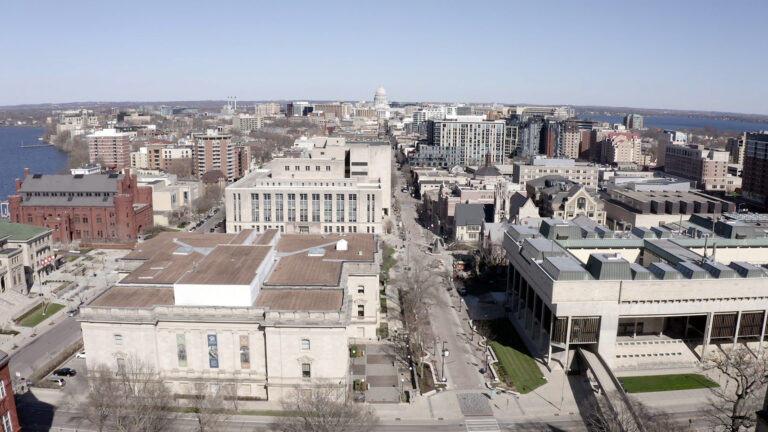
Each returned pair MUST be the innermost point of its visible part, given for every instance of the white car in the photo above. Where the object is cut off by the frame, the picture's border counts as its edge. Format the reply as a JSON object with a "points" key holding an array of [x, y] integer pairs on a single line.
{"points": [[80, 355]]}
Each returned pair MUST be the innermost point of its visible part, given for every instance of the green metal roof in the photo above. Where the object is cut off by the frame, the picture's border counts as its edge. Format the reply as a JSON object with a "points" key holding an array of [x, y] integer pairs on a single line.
{"points": [[20, 232]]}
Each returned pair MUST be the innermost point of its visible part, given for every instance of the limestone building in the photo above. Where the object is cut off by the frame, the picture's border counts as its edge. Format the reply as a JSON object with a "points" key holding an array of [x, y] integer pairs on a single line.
{"points": [[256, 313], [334, 186]]}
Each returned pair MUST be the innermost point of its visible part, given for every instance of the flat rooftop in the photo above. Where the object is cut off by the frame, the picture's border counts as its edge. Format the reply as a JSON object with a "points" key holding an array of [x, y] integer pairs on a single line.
{"points": [[134, 297], [227, 265], [301, 300]]}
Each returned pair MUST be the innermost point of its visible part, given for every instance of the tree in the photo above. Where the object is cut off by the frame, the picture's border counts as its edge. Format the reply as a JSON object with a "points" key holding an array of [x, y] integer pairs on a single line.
{"points": [[181, 167], [132, 399], [417, 285], [618, 417], [208, 408], [734, 405], [325, 408]]}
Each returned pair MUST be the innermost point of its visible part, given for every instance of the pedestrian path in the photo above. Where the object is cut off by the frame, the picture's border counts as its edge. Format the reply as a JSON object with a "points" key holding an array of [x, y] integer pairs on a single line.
{"points": [[482, 424]]}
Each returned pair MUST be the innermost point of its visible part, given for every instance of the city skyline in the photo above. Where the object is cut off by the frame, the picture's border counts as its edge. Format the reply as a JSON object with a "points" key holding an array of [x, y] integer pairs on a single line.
{"points": [[622, 56]]}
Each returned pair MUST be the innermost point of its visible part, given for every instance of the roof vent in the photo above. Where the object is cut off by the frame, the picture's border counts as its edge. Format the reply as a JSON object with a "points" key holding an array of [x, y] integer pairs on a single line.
{"points": [[342, 245]]}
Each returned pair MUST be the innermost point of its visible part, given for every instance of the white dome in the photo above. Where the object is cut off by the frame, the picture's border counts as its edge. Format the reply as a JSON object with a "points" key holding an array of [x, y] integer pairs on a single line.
{"points": [[381, 92]]}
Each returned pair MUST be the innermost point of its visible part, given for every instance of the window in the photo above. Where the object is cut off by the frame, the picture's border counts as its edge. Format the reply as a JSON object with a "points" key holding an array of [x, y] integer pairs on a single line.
{"points": [[7, 425], [245, 357], [181, 350], [267, 207], [353, 207], [121, 365], [317, 168], [328, 211], [339, 207], [305, 344], [287, 168], [297, 168], [213, 351], [360, 311], [255, 207], [581, 203], [118, 339], [291, 207], [327, 167], [361, 289], [306, 168], [279, 207], [303, 210], [315, 207], [306, 370], [2, 389]]}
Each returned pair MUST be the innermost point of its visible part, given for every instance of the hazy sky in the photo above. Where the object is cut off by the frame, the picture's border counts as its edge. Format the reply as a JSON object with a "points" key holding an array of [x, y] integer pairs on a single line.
{"points": [[705, 55]]}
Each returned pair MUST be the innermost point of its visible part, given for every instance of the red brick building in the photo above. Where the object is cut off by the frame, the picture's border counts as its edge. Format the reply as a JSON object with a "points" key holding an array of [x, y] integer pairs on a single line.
{"points": [[97, 208], [9, 420]]}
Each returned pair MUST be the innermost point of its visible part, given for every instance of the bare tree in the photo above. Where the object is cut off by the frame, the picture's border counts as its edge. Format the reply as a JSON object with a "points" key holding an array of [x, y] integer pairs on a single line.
{"points": [[325, 408], [618, 417], [181, 167], [132, 399], [734, 405], [417, 285], [208, 408]]}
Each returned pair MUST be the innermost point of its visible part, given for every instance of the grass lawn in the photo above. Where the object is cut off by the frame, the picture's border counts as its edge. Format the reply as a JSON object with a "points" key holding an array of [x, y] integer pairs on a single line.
{"points": [[35, 316], [516, 367], [653, 383]]}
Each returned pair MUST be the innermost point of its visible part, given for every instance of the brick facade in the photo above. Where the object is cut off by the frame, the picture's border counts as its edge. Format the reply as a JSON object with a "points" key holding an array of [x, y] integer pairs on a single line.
{"points": [[7, 401], [114, 210]]}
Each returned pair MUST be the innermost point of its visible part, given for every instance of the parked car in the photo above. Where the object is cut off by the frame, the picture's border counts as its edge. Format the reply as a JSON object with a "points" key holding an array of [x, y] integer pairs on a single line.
{"points": [[213, 229], [73, 312], [65, 372], [57, 380], [80, 355]]}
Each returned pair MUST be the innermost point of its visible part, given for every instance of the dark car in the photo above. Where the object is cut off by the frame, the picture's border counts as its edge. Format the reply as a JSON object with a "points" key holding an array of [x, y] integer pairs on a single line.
{"points": [[67, 372]]}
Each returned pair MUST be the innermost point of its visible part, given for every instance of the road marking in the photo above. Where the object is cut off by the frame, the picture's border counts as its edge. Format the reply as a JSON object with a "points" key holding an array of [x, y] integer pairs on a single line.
{"points": [[482, 424]]}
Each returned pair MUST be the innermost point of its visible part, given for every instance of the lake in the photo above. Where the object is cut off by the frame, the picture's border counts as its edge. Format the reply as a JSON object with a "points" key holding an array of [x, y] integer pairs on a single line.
{"points": [[677, 123], [13, 158]]}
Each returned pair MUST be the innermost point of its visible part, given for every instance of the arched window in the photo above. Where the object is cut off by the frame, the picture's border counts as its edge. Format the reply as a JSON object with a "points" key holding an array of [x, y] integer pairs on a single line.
{"points": [[581, 203], [245, 355]]}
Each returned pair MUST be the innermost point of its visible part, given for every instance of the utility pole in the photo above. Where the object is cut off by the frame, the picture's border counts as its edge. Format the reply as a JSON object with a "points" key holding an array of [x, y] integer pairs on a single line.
{"points": [[445, 354]]}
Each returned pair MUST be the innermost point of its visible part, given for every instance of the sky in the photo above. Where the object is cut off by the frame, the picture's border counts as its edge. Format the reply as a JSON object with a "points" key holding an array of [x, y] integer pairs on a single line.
{"points": [[697, 55]]}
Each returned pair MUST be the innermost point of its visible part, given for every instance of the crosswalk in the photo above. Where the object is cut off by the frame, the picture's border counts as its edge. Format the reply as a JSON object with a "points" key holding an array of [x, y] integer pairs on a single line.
{"points": [[482, 424]]}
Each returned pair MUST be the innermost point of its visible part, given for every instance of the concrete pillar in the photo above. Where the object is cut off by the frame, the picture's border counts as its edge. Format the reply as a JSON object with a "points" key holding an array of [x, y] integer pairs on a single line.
{"points": [[762, 332], [549, 339], [736, 330], [685, 332], [567, 343], [661, 330], [541, 324], [707, 334]]}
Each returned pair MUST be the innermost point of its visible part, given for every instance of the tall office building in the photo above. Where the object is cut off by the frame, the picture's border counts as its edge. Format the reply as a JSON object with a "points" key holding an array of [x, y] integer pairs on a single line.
{"points": [[755, 175], [110, 148], [709, 167], [633, 121]]}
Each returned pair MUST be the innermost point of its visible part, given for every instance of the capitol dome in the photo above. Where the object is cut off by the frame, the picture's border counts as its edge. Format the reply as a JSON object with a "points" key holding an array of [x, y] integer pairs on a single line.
{"points": [[381, 92]]}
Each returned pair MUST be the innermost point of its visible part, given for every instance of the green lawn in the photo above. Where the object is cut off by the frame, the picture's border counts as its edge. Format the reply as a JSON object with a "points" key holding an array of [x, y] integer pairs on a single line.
{"points": [[653, 383], [516, 367], [35, 316]]}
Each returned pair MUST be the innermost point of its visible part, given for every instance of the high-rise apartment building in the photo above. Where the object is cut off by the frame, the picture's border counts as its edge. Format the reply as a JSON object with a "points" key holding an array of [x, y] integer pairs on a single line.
{"points": [[468, 139], [736, 147], [709, 167], [266, 110], [755, 175], [247, 123], [622, 148], [214, 150], [110, 148]]}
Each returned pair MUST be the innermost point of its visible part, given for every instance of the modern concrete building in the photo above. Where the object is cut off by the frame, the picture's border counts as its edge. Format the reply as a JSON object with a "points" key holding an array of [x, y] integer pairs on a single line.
{"points": [[36, 244], [336, 186], [578, 172], [110, 148], [656, 202], [258, 314], [755, 174], [648, 298]]}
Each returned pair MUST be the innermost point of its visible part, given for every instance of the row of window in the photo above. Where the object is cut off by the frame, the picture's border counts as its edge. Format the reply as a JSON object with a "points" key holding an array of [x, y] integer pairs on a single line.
{"points": [[262, 206], [307, 168]]}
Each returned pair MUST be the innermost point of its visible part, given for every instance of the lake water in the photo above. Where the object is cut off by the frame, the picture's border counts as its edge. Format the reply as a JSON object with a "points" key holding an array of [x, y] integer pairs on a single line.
{"points": [[677, 123], [13, 158]]}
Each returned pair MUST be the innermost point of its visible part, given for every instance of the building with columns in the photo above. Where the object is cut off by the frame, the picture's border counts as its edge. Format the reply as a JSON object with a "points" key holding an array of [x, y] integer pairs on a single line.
{"points": [[334, 186], [258, 314], [639, 299]]}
